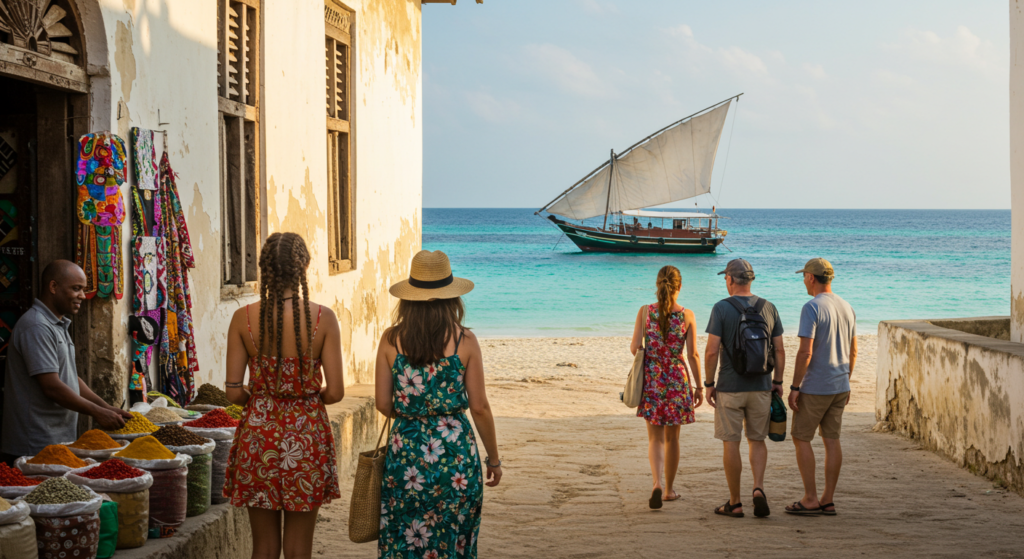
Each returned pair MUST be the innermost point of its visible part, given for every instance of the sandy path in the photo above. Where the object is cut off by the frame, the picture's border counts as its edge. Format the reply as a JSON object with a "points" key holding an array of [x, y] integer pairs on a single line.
{"points": [[577, 477]]}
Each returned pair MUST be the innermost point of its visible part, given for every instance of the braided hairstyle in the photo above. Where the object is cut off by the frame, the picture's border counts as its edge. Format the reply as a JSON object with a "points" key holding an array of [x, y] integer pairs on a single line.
{"points": [[283, 263], [669, 282]]}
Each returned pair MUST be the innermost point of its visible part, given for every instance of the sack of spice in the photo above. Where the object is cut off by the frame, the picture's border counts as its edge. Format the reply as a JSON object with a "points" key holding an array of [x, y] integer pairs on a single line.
{"points": [[199, 480], [154, 396], [151, 454], [187, 414], [168, 500], [162, 416], [68, 536], [95, 443], [182, 441], [15, 484], [220, 470], [17, 532], [59, 497], [216, 425], [113, 475], [53, 460], [137, 426], [235, 411], [132, 518], [210, 396]]}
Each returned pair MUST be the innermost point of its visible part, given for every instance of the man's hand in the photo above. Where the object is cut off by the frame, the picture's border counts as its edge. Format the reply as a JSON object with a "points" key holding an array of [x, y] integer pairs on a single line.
{"points": [[793, 396], [712, 395], [124, 413], [777, 388], [109, 419], [698, 397]]}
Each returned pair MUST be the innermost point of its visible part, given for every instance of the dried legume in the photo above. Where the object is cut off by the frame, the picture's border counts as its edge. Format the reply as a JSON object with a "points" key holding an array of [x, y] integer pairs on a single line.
{"points": [[162, 415], [57, 491]]}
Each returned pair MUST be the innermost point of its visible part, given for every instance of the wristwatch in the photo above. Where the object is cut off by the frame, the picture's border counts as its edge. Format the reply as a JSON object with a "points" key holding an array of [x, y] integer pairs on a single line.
{"points": [[778, 382], [709, 384], [794, 388]]}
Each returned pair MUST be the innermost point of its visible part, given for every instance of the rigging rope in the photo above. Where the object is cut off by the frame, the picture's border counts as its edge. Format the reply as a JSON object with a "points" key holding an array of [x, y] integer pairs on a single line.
{"points": [[721, 185]]}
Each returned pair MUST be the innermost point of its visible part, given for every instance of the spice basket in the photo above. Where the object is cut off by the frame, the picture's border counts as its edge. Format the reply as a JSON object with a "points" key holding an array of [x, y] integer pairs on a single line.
{"points": [[44, 469], [99, 455]]}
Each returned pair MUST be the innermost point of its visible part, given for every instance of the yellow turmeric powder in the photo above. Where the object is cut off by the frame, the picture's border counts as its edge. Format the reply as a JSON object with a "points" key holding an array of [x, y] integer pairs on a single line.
{"points": [[57, 454], [146, 448], [94, 439], [137, 424]]}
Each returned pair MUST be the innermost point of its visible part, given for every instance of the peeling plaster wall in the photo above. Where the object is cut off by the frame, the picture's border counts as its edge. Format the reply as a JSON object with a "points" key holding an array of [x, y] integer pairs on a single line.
{"points": [[1017, 169], [958, 393], [162, 56]]}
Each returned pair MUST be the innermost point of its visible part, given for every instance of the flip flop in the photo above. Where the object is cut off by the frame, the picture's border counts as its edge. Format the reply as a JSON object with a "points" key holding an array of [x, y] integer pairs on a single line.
{"points": [[676, 498], [761, 509], [655, 502], [726, 510], [828, 512], [799, 508]]}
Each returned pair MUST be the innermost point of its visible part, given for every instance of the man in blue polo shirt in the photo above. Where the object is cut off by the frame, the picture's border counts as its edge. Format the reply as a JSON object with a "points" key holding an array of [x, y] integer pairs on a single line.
{"points": [[42, 392]]}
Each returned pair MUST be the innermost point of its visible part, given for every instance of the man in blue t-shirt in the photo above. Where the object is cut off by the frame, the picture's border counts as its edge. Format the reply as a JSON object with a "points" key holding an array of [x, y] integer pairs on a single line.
{"points": [[821, 383]]}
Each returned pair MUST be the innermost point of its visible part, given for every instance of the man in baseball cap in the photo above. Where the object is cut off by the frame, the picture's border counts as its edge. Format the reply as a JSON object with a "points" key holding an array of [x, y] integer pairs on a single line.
{"points": [[821, 383], [742, 402]]}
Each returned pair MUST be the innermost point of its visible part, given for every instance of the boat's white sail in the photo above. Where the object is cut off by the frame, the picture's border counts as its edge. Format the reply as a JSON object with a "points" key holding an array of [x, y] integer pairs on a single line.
{"points": [[673, 165]]}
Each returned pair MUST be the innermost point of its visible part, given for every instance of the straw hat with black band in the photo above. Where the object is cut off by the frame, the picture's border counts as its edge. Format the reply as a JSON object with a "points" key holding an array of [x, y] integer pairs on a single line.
{"points": [[431, 278]]}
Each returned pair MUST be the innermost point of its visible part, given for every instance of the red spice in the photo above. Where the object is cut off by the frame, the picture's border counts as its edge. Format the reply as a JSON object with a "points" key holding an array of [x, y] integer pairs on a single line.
{"points": [[12, 477], [112, 469], [217, 418]]}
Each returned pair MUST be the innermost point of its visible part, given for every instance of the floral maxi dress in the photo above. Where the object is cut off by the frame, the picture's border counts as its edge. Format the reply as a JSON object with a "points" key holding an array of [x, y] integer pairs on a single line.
{"points": [[432, 490], [283, 455], [667, 397]]}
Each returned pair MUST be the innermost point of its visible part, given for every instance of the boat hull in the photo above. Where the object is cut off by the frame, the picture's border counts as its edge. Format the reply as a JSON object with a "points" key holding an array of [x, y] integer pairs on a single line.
{"points": [[592, 240]]}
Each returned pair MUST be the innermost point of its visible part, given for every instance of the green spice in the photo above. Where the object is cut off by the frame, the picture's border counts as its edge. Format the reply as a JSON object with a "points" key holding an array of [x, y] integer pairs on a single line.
{"points": [[57, 491], [210, 395], [199, 478]]}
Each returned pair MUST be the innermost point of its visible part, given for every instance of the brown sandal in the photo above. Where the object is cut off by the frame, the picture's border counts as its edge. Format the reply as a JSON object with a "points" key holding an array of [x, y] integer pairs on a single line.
{"points": [[727, 510], [655, 502]]}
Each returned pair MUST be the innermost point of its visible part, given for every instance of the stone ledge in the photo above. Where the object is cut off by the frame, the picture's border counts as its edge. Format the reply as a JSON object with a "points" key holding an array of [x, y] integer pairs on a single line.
{"points": [[224, 533]]}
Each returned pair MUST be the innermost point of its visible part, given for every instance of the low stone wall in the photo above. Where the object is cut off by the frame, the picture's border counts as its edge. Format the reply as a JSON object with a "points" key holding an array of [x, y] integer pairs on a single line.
{"points": [[959, 393], [224, 533]]}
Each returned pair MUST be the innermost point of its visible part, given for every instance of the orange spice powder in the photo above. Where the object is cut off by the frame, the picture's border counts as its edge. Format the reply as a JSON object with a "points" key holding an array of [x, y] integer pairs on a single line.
{"points": [[57, 454]]}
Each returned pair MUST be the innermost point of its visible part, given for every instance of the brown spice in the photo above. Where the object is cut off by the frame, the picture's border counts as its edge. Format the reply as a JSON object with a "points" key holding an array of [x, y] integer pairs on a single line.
{"points": [[172, 435], [94, 439], [210, 395]]}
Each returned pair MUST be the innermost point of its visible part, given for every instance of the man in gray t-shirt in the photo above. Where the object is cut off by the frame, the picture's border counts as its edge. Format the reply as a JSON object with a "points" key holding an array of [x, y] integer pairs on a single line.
{"points": [[821, 383], [42, 392], [742, 403]]}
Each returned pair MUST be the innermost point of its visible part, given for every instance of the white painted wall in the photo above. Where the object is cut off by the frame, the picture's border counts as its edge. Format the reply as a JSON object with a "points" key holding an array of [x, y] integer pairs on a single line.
{"points": [[161, 56], [1017, 168]]}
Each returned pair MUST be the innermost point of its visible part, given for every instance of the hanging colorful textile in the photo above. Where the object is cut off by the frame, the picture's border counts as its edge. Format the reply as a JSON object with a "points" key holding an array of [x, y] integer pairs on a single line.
{"points": [[178, 358], [101, 172], [144, 158], [143, 332], [150, 289], [85, 257], [108, 262]]}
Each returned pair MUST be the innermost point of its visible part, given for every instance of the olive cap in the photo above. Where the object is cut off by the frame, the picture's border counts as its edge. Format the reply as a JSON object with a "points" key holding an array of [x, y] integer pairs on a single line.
{"points": [[818, 267]]}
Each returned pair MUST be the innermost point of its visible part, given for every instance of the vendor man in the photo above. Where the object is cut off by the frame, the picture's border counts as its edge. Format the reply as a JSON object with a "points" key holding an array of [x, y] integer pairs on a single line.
{"points": [[42, 392]]}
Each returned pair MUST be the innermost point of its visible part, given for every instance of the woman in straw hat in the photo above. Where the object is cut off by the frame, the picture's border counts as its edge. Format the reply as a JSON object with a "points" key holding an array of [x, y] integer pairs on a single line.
{"points": [[429, 370]]}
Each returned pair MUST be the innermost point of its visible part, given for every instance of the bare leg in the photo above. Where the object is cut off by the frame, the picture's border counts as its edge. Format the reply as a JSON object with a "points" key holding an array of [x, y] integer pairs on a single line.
{"points": [[833, 463], [805, 461], [733, 470], [266, 533], [298, 534], [671, 459], [656, 451], [758, 460]]}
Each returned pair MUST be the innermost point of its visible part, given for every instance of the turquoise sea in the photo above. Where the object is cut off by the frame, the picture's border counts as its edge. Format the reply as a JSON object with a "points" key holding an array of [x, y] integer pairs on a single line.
{"points": [[890, 264]]}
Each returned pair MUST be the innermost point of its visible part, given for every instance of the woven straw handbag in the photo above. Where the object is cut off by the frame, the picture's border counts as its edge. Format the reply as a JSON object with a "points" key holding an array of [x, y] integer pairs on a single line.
{"points": [[634, 390], [364, 510]]}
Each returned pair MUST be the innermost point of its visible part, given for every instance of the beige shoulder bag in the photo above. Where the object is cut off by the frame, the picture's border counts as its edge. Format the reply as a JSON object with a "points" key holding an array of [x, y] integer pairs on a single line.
{"points": [[364, 511], [634, 390]]}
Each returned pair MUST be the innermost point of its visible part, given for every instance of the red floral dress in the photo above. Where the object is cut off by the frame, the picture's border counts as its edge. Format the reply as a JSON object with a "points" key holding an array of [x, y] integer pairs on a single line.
{"points": [[667, 398], [283, 455]]}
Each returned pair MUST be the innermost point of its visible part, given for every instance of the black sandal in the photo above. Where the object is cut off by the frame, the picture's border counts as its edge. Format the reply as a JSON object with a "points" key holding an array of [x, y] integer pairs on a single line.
{"points": [[799, 508], [828, 512], [726, 510], [761, 509], [655, 502]]}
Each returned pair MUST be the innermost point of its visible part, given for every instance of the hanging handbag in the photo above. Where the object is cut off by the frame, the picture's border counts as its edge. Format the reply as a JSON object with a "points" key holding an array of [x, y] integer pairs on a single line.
{"points": [[634, 390], [364, 510]]}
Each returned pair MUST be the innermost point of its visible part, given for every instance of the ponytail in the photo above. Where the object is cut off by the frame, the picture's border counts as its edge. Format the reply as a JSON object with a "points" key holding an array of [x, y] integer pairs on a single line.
{"points": [[669, 282]]}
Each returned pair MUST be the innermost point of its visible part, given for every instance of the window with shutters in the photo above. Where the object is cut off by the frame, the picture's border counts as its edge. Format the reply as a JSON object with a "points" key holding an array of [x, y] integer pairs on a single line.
{"points": [[339, 26], [238, 75]]}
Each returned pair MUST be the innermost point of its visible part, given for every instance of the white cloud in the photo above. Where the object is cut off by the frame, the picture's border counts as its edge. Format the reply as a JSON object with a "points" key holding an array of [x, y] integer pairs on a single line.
{"points": [[569, 72], [489, 108], [815, 70], [740, 59], [962, 48]]}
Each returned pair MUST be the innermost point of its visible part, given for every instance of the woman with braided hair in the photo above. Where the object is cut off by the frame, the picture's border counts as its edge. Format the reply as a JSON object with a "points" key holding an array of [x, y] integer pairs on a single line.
{"points": [[282, 465]]}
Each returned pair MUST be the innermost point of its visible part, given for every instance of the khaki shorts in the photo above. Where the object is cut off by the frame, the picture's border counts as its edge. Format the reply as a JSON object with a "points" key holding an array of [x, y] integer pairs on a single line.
{"points": [[824, 412], [733, 409]]}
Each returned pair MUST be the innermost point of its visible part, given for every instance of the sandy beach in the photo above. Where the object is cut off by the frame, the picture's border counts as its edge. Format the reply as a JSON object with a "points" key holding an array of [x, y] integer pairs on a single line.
{"points": [[577, 478]]}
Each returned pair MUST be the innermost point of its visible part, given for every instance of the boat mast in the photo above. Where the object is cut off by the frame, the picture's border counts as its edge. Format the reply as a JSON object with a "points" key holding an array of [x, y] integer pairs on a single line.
{"points": [[608, 200]]}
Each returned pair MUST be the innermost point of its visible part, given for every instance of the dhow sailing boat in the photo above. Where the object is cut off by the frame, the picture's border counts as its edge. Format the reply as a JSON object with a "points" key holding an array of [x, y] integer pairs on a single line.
{"points": [[673, 164]]}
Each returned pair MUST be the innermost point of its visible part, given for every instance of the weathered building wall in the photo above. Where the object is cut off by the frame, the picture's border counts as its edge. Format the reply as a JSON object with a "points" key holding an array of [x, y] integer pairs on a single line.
{"points": [[959, 393], [161, 67], [1017, 169]]}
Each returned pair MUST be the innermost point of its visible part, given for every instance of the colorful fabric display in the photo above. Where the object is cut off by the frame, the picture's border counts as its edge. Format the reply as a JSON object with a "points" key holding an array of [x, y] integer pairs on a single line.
{"points": [[150, 282], [110, 280], [85, 257], [101, 172], [144, 158]]}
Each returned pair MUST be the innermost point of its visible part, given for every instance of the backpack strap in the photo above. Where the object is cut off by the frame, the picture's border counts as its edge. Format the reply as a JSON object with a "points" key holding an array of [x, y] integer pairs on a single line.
{"points": [[743, 310], [759, 305]]}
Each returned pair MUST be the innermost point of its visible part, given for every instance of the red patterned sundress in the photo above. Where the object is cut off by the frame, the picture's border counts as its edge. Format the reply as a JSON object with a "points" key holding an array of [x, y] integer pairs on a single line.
{"points": [[283, 455], [667, 398]]}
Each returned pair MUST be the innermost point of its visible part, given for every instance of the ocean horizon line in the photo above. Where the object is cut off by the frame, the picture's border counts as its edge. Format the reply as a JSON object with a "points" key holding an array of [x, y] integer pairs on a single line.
{"points": [[761, 209]]}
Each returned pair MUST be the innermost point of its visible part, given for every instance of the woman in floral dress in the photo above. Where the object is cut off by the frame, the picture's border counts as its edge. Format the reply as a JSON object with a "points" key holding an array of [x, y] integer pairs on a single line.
{"points": [[429, 370], [282, 465], [670, 395]]}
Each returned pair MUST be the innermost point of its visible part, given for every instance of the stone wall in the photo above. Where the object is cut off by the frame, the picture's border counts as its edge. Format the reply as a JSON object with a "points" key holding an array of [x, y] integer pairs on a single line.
{"points": [[958, 393]]}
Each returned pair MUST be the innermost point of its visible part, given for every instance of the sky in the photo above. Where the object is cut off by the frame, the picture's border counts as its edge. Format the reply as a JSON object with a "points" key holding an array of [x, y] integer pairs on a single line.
{"points": [[863, 104]]}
